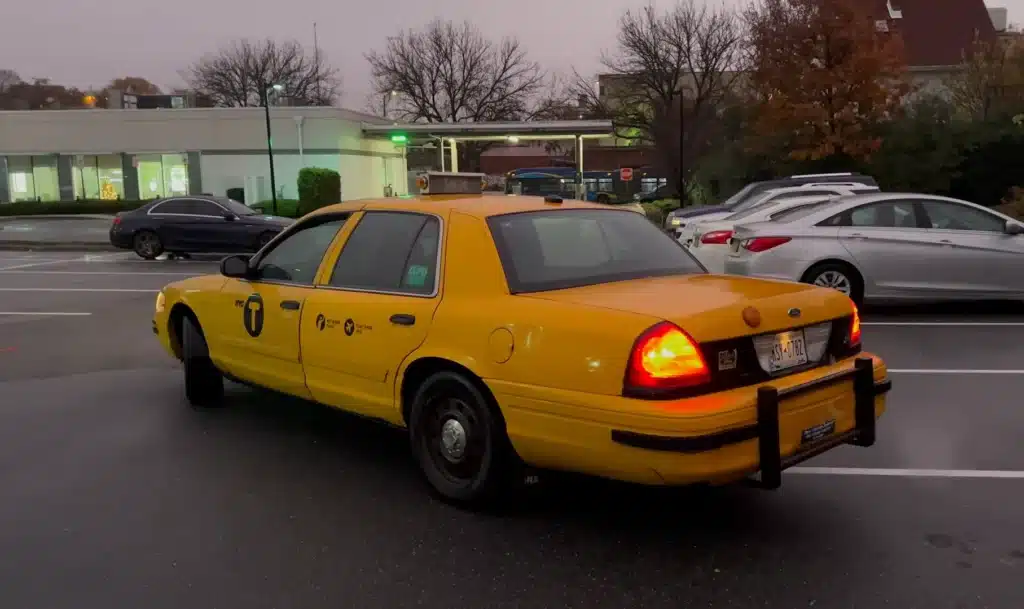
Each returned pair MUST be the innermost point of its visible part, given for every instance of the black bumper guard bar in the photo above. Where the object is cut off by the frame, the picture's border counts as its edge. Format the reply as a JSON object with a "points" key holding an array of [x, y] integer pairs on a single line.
{"points": [[766, 430]]}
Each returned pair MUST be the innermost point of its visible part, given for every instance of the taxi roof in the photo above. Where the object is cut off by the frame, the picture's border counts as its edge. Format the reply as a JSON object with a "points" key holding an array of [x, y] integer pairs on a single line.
{"points": [[481, 206]]}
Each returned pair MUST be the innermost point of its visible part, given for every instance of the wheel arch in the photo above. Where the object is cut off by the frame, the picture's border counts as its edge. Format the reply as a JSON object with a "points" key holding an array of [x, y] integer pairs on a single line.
{"points": [[175, 321], [421, 366]]}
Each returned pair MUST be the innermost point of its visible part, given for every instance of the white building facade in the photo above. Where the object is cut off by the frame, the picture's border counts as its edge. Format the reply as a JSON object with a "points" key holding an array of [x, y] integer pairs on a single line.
{"points": [[67, 155]]}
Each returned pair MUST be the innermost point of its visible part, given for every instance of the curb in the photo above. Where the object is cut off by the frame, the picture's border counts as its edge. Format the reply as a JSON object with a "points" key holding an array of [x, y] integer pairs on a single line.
{"points": [[43, 246]]}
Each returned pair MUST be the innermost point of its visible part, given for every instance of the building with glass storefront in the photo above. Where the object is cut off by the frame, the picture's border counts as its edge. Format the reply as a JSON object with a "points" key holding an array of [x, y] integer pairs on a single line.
{"points": [[66, 155]]}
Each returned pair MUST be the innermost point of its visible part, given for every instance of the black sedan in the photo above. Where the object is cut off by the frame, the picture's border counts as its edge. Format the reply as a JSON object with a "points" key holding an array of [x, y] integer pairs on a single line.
{"points": [[182, 225]]}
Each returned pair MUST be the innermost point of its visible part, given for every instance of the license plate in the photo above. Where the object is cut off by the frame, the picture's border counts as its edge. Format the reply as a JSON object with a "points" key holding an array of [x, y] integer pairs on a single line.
{"points": [[813, 434], [789, 351]]}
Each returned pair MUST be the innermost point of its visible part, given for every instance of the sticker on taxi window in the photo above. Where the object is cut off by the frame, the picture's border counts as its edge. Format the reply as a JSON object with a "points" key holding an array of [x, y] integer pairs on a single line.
{"points": [[416, 276]]}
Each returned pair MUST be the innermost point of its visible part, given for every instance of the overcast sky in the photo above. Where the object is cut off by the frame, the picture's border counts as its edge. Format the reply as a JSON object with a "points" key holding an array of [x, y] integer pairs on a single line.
{"points": [[89, 43]]}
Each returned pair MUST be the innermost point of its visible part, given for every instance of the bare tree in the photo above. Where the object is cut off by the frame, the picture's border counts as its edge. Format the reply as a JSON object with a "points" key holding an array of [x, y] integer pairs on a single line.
{"points": [[990, 82], [241, 73], [450, 73], [670, 79]]}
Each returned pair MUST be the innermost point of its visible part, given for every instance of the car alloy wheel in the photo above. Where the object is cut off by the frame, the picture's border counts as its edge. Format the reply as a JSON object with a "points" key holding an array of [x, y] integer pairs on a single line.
{"points": [[147, 245], [835, 280]]}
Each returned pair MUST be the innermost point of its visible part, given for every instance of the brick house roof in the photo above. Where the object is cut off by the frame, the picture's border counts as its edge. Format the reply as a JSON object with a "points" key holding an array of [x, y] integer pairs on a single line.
{"points": [[936, 32]]}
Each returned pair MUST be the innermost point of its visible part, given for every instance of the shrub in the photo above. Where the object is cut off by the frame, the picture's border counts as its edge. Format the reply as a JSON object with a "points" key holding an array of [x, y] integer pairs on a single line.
{"points": [[237, 194], [654, 213], [288, 208], [318, 188], [1013, 203], [63, 208]]}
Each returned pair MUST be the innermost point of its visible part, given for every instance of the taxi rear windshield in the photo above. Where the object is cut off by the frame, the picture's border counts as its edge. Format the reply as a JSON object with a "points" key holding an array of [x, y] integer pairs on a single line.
{"points": [[559, 249]]}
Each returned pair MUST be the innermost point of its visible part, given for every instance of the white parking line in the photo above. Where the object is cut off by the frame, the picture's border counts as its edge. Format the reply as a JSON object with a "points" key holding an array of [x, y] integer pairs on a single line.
{"points": [[48, 313], [31, 264], [947, 371], [991, 474], [151, 290]]}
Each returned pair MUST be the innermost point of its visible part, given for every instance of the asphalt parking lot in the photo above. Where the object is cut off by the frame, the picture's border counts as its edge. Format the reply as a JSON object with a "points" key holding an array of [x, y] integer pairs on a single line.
{"points": [[116, 494]]}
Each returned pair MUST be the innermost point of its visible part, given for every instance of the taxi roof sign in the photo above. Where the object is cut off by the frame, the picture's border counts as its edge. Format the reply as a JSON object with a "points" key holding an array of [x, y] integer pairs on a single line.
{"points": [[449, 183]]}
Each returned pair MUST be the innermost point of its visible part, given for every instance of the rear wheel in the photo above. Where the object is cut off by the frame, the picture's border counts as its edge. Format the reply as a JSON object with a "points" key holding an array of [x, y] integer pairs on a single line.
{"points": [[458, 438], [147, 244], [204, 384], [838, 276], [603, 198]]}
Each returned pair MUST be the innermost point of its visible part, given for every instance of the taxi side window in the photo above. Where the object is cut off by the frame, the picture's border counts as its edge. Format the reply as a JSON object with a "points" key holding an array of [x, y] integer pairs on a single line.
{"points": [[390, 252], [296, 258]]}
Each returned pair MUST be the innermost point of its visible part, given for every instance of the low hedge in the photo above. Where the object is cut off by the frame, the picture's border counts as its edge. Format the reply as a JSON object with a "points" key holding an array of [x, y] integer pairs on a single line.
{"points": [[654, 213], [65, 208], [318, 187], [288, 208]]}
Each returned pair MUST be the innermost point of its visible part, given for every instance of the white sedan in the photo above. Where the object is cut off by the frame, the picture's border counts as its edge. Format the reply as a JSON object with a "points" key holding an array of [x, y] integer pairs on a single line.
{"points": [[709, 241]]}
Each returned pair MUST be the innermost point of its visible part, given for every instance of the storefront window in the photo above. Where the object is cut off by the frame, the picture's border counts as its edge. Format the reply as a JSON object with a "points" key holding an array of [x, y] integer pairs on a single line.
{"points": [[44, 171], [110, 176], [162, 175], [20, 182], [97, 177]]}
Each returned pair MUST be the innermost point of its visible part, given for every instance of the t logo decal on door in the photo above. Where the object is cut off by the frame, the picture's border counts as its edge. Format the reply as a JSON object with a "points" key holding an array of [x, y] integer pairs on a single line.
{"points": [[252, 315]]}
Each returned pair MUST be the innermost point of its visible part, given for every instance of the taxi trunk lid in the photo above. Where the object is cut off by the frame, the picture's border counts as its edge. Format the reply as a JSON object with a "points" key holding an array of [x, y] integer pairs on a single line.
{"points": [[711, 307], [795, 327]]}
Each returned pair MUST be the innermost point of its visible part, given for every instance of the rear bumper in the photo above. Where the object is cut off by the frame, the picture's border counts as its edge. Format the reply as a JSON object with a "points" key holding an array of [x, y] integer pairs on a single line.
{"points": [[766, 429], [120, 239]]}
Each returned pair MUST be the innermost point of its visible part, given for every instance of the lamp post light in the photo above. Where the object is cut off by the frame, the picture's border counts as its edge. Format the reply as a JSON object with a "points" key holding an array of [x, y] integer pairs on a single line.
{"points": [[386, 96], [270, 146]]}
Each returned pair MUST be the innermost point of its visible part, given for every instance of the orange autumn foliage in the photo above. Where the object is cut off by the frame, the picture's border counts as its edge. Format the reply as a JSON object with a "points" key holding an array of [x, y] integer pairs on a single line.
{"points": [[823, 75]]}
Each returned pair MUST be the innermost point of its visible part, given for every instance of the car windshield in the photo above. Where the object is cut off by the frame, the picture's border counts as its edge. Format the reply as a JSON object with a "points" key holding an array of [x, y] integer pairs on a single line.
{"points": [[742, 194], [558, 249], [760, 207], [239, 209], [796, 213]]}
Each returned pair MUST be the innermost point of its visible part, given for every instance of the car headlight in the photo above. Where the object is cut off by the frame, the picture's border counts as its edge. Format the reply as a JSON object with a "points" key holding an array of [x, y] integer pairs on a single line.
{"points": [[677, 222], [160, 301]]}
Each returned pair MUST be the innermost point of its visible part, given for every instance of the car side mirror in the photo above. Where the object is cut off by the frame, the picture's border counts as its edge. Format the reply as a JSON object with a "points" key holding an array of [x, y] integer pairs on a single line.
{"points": [[230, 217], [1013, 228], [236, 267]]}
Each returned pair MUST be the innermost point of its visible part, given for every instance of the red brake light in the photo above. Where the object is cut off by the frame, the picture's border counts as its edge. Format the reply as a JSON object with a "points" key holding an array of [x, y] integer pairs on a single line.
{"points": [[854, 338], [716, 237], [665, 357], [760, 244], [117, 220]]}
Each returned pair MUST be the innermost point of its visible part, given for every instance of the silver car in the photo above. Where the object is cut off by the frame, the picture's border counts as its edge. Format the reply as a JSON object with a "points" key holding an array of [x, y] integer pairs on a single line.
{"points": [[888, 247]]}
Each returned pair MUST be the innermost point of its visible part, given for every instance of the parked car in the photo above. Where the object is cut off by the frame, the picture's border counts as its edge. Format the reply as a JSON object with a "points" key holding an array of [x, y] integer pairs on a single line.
{"points": [[680, 217], [775, 194], [891, 247], [195, 224], [709, 241]]}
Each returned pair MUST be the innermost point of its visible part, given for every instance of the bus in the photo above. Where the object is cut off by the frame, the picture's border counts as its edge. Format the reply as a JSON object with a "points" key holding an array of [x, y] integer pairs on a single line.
{"points": [[601, 186]]}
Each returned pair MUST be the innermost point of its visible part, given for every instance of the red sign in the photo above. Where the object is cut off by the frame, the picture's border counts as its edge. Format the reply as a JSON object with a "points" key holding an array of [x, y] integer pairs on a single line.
{"points": [[626, 174]]}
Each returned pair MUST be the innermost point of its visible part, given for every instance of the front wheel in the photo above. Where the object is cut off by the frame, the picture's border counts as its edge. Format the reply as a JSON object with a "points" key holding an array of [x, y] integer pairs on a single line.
{"points": [[204, 384], [147, 244], [459, 440]]}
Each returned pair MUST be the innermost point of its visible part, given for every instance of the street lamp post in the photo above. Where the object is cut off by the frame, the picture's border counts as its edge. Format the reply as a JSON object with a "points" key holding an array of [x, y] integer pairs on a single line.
{"points": [[386, 96], [682, 147], [270, 146]]}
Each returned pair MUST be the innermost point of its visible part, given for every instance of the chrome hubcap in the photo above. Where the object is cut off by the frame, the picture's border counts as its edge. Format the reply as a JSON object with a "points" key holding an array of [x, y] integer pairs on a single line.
{"points": [[453, 440], [834, 280]]}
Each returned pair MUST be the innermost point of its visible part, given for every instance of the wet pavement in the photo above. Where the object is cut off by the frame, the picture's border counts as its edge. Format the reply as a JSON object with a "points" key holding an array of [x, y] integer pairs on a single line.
{"points": [[90, 232], [116, 494]]}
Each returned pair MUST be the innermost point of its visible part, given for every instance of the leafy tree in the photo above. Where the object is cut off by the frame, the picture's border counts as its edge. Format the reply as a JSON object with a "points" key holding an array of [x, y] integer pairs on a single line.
{"points": [[822, 73], [669, 81], [990, 84], [240, 74]]}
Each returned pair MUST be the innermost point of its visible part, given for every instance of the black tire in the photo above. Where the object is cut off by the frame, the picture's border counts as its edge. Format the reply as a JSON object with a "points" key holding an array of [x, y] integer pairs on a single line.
{"points": [[603, 199], [204, 384], [147, 244], [264, 239], [837, 275], [482, 470]]}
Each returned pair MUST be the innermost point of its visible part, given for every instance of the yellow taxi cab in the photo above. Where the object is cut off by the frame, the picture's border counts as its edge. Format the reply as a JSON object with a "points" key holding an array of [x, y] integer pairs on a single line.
{"points": [[523, 332]]}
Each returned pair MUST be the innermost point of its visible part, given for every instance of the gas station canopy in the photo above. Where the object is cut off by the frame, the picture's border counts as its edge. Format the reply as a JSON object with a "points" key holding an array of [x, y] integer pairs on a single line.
{"points": [[509, 131]]}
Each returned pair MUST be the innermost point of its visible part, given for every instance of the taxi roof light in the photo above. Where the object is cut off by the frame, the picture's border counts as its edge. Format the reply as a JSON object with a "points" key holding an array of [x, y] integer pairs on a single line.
{"points": [[450, 183], [665, 357]]}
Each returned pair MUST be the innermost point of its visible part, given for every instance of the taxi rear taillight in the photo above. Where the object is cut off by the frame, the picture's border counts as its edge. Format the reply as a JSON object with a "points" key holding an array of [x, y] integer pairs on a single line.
{"points": [[665, 358], [854, 339], [762, 244], [716, 237]]}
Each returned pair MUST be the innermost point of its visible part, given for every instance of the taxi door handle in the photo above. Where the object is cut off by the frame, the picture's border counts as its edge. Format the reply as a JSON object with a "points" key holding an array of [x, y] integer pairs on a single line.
{"points": [[403, 319], [291, 305]]}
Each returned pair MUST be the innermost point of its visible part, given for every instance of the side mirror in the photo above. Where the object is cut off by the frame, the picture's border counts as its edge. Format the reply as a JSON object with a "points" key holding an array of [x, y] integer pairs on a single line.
{"points": [[230, 217], [1013, 228], [236, 267]]}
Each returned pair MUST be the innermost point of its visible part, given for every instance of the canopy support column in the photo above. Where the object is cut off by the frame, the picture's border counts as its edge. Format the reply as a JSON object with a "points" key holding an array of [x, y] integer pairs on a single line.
{"points": [[581, 192], [455, 155]]}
